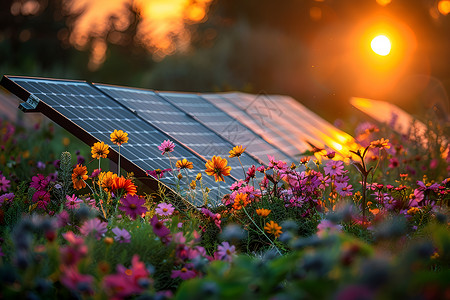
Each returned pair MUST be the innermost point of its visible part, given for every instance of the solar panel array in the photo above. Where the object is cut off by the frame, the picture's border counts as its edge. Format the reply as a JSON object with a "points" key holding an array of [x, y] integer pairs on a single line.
{"points": [[179, 125], [98, 114], [225, 125]]}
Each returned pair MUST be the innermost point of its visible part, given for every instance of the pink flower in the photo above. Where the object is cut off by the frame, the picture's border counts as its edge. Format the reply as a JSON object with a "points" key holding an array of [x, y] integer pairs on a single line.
{"points": [[164, 209], [326, 227], [344, 189], [4, 184], [159, 228], [225, 251], [6, 198], [393, 163], [72, 253], [121, 235], [73, 202], [94, 227], [42, 198], [334, 167], [133, 206], [39, 182], [74, 281], [166, 146]]}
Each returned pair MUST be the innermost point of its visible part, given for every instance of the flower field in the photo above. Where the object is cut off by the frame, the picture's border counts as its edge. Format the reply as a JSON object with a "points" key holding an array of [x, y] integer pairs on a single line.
{"points": [[371, 226]]}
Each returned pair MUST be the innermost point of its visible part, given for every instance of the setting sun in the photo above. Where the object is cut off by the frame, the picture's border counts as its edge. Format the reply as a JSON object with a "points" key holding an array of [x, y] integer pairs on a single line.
{"points": [[381, 45]]}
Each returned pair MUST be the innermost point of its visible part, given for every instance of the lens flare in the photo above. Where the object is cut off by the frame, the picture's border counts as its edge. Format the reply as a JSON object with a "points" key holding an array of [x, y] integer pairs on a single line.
{"points": [[381, 45]]}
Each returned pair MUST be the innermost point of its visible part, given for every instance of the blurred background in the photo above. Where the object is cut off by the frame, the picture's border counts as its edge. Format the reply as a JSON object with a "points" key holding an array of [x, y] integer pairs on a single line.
{"points": [[321, 52]]}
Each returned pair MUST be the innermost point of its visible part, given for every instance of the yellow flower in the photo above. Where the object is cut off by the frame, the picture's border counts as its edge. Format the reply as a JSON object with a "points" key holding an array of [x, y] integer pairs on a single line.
{"points": [[193, 185], [237, 151], [240, 201], [273, 228], [381, 143], [119, 137], [184, 164], [199, 177], [262, 212], [79, 175], [99, 149], [106, 180], [413, 210], [218, 168]]}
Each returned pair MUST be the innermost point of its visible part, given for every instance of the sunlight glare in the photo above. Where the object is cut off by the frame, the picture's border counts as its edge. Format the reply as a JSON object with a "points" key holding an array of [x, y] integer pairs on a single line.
{"points": [[381, 45], [444, 7]]}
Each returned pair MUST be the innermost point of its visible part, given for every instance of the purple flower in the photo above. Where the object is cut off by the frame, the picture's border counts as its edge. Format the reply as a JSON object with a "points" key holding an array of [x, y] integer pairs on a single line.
{"points": [[334, 167], [427, 187], [40, 165], [344, 189], [159, 228], [73, 202], [39, 182], [185, 273], [166, 146], [121, 235], [63, 219], [5, 198], [326, 227], [225, 251], [4, 184], [158, 173], [42, 198], [164, 209], [94, 227], [74, 281], [133, 206]]}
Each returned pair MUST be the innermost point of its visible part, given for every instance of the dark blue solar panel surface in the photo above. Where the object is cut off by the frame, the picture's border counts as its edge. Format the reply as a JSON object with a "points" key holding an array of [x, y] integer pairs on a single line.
{"points": [[179, 125], [224, 125], [99, 115]]}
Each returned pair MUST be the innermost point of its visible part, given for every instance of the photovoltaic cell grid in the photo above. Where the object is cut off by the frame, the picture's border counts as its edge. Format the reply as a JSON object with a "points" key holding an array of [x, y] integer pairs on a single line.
{"points": [[286, 118], [177, 124], [224, 125], [99, 115]]}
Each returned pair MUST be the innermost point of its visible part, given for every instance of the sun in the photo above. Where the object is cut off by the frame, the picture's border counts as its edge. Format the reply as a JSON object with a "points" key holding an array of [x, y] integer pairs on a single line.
{"points": [[381, 45]]}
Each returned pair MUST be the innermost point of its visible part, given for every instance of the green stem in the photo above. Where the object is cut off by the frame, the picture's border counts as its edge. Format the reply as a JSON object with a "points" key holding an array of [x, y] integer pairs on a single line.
{"points": [[261, 230], [242, 167], [118, 167]]}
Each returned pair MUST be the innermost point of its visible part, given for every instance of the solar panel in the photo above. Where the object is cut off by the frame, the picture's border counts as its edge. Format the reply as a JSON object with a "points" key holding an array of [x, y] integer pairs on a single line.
{"points": [[178, 125], [90, 115], [286, 117], [225, 125]]}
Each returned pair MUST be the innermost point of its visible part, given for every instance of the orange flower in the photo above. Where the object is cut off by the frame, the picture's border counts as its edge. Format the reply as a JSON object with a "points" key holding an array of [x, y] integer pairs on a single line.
{"points": [[240, 201], [79, 175], [237, 151], [273, 228], [106, 180], [119, 137], [217, 166], [99, 150], [126, 185], [262, 212], [184, 164], [381, 143]]}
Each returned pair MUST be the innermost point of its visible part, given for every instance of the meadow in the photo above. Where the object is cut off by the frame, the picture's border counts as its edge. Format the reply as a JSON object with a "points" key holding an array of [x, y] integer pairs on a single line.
{"points": [[371, 226]]}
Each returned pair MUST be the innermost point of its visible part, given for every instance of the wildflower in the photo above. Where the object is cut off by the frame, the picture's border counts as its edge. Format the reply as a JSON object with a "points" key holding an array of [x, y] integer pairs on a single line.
{"points": [[99, 150], [72, 279], [184, 273], [119, 137], [106, 179], [133, 206], [159, 228], [334, 167], [42, 198], [184, 164], [95, 173], [381, 144], [237, 151], [263, 212], [198, 177], [304, 160], [73, 202], [193, 185], [4, 184], [393, 163], [251, 173], [260, 169], [95, 227], [240, 201], [6, 198], [273, 228], [326, 227], [79, 175], [122, 184], [427, 186], [39, 182], [166, 146], [180, 176], [344, 189], [413, 211], [217, 166], [158, 173], [121, 235], [225, 251], [164, 209], [108, 240]]}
